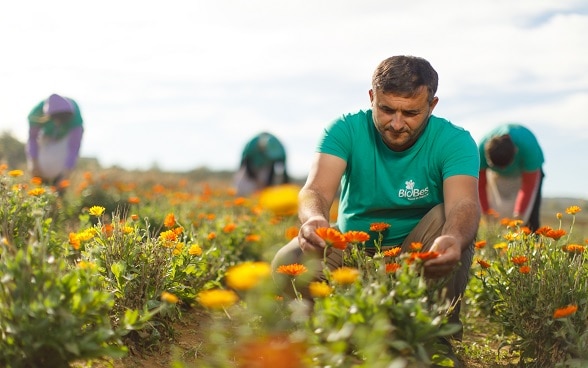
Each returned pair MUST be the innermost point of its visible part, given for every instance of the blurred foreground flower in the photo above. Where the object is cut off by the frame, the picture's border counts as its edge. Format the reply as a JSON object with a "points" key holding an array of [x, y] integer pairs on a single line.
{"points": [[281, 200], [247, 275], [270, 352]]}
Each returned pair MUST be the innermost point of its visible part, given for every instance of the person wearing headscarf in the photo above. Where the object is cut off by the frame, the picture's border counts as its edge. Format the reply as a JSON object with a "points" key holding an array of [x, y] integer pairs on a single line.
{"points": [[54, 140]]}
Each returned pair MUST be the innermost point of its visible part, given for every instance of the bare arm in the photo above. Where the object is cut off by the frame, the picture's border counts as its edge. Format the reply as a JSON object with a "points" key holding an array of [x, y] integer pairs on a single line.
{"points": [[462, 217], [316, 197]]}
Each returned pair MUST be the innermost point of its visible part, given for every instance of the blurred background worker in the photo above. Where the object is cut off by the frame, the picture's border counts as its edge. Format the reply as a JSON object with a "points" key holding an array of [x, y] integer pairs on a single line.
{"points": [[511, 173], [55, 136], [263, 164]]}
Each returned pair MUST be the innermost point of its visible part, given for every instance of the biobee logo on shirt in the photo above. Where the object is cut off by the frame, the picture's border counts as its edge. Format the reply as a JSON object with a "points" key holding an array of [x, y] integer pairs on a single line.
{"points": [[412, 193]]}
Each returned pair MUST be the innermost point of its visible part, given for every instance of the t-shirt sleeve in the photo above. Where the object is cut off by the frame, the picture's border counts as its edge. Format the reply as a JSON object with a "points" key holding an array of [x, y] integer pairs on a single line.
{"points": [[337, 139], [461, 156]]}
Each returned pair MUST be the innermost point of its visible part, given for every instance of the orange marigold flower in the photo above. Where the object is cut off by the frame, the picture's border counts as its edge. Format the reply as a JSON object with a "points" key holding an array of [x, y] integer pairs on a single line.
{"points": [[543, 230], [573, 248], [134, 200], [356, 237], [64, 184], [332, 237], [36, 180], [319, 289], [107, 229], [345, 275], [229, 228], [424, 256], [211, 236], [252, 238], [292, 232], [514, 223], [74, 241], [392, 252], [416, 246], [134, 217], [239, 201], [169, 221], [492, 212], [505, 221], [519, 260], [276, 350], [572, 210], [525, 269], [480, 244], [379, 226], [555, 234], [294, 269], [526, 230], [483, 263], [392, 267], [169, 298], [565, 311]]}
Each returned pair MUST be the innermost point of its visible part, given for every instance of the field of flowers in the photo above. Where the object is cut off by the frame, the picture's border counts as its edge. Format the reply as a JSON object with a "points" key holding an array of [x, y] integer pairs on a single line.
{"points": [[126, 270]]}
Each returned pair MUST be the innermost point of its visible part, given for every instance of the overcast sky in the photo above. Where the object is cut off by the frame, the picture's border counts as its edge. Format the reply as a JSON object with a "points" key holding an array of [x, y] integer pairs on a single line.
{"points": [[184, 84]]}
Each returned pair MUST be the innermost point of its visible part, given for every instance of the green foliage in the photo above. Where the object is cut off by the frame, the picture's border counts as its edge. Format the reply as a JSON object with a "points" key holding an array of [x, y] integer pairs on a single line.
{"points": [[531, 276], [50, 314]]}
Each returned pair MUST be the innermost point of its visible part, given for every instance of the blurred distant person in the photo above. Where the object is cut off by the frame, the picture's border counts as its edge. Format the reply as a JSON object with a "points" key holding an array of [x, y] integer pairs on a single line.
{"points": [[263, 164], [55, 136], [511, 173]]}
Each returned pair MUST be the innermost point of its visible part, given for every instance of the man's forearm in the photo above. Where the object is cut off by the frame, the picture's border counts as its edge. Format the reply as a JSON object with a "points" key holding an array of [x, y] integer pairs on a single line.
{"points": [[462, 222], [312, 204]]}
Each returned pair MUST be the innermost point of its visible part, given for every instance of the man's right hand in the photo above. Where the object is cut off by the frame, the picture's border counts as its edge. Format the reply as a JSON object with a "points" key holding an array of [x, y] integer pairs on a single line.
{"points": [[307, 237]]}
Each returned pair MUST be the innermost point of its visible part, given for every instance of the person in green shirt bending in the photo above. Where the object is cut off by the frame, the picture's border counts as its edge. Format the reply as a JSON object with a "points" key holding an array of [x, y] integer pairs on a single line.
{"points": [[263, 164], [54, 140], [398, 164]]}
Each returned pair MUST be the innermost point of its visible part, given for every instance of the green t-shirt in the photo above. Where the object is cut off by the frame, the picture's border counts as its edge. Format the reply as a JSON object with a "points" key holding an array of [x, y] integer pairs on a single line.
{"points": [[398, 188], [528, 157], [263, 150], [38, 119]]}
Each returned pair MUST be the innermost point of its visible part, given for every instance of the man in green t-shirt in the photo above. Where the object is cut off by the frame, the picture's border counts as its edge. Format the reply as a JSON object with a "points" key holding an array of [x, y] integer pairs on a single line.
{"points": [[395, 163], [511, 173]]}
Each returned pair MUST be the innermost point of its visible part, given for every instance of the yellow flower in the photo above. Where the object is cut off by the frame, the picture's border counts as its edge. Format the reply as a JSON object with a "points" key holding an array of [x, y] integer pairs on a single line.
{"points": [[86, 265], [558, 215], [217, 298], [169, 298], [35, 192], [15, 173], [96, 211], [195, 250], [281, 200], [86, 234], [345, 275], [247, 275], [319, 289], [126, 229], [572, 210], [502, 245]]}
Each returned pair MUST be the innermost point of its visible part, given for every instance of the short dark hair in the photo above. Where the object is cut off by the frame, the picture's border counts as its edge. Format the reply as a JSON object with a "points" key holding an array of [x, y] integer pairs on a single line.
{"points": [[500, 151], [405, 75]]}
